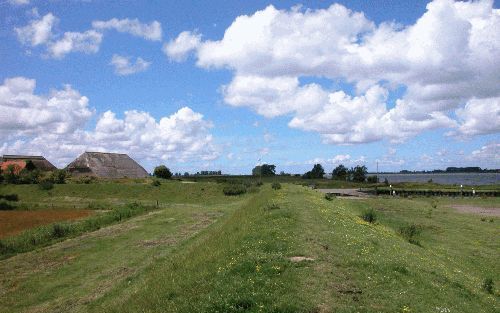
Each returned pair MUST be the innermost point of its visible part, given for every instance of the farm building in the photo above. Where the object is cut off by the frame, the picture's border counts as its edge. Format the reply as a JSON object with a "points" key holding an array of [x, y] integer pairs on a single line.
{"points": [[19, 162], [106, 165]]}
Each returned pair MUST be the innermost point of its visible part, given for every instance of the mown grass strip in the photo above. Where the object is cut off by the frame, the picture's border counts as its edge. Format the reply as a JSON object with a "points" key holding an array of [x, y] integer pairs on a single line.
{"points": [[241, 264]]}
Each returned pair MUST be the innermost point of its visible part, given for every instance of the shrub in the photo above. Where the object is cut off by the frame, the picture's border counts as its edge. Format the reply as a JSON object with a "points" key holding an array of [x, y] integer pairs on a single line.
{"points": [[60, 230], [234, 189], [86, 179], [329, 196], [58, 176], [5, 206], [45, 185], [162, 172], [11, 197], [29, 177], [386, 182], [372, 179], [488, 285], [409, 232], [271, 206], [259, 183], [276, 186], [369, 216], [155, 183]]}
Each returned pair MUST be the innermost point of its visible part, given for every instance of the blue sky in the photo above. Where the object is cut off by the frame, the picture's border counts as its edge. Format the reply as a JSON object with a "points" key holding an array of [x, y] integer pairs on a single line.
{"points": [[236, 129]]}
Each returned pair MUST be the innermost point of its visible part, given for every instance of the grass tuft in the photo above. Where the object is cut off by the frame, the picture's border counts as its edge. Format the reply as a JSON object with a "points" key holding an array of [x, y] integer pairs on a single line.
{"points": [[488, 285], [410, 232], [369, 216]]}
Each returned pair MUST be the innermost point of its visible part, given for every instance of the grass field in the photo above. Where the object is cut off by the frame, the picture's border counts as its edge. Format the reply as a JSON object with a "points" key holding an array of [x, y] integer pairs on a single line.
{"points": [[286, 250]]}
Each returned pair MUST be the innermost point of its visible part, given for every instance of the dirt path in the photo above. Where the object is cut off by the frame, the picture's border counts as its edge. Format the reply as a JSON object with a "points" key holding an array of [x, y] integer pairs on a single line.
{"points": [[476, 210], [348, 193]]}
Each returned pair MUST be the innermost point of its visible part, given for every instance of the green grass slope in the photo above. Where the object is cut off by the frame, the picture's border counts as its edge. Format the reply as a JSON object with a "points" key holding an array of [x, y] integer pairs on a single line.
{"points": [[287, 250]]}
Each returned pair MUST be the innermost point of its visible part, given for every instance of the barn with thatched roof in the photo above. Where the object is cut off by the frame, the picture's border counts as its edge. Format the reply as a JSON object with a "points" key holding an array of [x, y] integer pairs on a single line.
{"points": [[106, 165], [19, 162]]}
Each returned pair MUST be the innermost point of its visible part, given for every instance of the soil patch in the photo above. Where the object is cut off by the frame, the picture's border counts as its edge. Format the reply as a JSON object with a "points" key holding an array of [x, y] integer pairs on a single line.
{"points": [[297, 259], [14, 222], [477, 210]]}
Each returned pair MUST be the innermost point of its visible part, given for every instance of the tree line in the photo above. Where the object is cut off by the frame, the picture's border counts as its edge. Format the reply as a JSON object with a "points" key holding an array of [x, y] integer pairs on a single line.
{"points": [[355, 174]]}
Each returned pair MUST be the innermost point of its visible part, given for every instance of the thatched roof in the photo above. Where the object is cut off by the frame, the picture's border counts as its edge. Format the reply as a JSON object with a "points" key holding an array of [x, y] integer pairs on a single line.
{"points": [[39, 161], [107, 165]]}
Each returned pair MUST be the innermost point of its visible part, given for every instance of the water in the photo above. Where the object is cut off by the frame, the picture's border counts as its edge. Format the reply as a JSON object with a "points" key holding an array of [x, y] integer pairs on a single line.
{"points": [[445, 178]]}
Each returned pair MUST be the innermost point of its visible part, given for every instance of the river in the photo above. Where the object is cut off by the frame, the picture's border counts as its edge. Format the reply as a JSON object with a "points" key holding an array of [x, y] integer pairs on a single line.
{"points": [[444, 178]]}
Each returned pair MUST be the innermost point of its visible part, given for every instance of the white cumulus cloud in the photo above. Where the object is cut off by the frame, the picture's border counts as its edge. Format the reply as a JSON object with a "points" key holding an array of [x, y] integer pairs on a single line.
{"points": [[447, 62], [124, 66], [25, 113], [87, 42], [54, 125], [38, 31], [151, 31], [179, 48]]}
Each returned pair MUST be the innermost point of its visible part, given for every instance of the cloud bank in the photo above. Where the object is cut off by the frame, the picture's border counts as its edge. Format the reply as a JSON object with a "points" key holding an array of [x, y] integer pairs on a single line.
{"points": [[54, 125], [447, 63]]}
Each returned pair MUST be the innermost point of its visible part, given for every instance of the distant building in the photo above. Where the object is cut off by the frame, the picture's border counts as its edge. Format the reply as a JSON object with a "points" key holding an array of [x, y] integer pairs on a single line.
{"points": [[19, 162], [106, 165]]}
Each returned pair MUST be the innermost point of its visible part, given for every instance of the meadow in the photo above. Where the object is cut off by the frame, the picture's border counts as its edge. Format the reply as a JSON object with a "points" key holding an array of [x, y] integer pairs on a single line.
{"points": [[184, 246]]}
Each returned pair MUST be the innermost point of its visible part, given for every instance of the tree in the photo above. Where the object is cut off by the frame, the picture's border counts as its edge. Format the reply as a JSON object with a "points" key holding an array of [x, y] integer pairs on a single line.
{"points": [[11, 174], [162, 172], [316, 172], [264, 170], [29, 177], [340, 172], [358, 173]]}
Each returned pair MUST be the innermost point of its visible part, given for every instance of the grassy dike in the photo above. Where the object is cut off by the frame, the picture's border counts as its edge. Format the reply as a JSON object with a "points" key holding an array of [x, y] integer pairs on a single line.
{"points": [[244, 263], [240, 265], [234, 254]]}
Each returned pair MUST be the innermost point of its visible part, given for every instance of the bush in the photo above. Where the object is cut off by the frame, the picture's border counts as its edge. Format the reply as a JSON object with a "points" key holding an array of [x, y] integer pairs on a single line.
{"points": [[234, 189], [488, 285], [29, 177], [58, 176], [329, 196], [86, 179], [5, 206], [60, 230], [409, 232], [369, 216], [155, 183], [45, 185], [162, 172], [271, 206], [11, 197], [276, 186], [372, 179], [259, 183]]}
